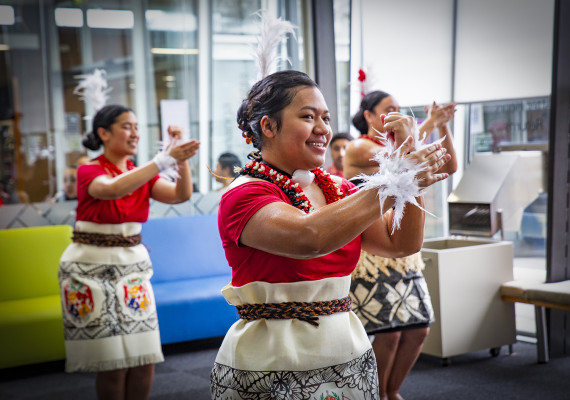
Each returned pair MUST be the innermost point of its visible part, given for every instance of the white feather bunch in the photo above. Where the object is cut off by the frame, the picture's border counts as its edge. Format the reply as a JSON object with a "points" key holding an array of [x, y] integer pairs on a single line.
{"points": [[93, 90], [419, 142], [396, 176], [273, 30], [167, 165]]}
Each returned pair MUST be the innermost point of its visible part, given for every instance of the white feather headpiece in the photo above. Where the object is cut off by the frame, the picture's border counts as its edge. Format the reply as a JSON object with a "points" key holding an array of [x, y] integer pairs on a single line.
{"points": [[93, 90], [273, 30]]}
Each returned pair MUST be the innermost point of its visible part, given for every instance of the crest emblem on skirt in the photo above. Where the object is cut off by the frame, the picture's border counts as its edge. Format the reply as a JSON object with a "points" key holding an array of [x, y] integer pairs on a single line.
{"points": [[136, 295], [78, 297], [332, 396]]}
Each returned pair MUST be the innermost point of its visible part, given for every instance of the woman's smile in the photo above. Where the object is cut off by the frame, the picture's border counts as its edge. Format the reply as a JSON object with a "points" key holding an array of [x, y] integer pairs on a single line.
{"points": [[319, 146]]}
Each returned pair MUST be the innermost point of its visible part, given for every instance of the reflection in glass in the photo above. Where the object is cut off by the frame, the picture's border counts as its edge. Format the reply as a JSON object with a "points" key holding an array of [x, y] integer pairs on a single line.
{"points": [[235, 29], [516, 125], [342, 55], [500, 123]]}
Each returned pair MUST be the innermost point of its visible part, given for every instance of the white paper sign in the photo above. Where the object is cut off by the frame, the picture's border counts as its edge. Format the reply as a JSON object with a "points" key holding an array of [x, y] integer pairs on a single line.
{"points": [[174, 112]]}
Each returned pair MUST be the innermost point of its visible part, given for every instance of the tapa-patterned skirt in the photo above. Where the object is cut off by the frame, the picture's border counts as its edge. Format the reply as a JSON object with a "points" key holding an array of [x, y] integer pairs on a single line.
{"points": [[109, 313], [390, 293], [286, 359]]}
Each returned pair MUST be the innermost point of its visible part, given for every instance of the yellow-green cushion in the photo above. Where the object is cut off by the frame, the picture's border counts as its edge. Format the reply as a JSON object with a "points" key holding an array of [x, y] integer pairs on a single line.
{"points": [[31, 331], [14, 312], [30, 260]]}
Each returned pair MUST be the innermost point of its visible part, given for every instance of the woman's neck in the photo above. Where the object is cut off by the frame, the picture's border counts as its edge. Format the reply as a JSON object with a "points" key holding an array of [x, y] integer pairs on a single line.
{"points": [[275, 162], [119, 160], [372, 132]]}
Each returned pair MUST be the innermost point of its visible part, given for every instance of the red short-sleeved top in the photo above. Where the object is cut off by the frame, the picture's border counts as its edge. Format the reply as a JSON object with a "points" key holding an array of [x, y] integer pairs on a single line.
{"points": [[133, 207], [237, 206]]}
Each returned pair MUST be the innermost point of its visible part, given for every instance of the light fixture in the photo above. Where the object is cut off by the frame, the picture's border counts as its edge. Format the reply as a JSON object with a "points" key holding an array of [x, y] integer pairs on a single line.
{"points": [[158, 20], [7, 15], [69, 17], [163, 50], [110, 19]]}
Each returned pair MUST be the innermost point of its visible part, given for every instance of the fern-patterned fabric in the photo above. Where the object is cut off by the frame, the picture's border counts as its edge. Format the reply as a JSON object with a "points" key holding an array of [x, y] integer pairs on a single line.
{"points": [[286, 358], [109, 312]]}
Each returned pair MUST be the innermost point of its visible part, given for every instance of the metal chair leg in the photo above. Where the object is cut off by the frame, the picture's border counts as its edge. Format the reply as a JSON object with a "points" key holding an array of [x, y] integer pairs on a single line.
{"points": [[541, 335]]}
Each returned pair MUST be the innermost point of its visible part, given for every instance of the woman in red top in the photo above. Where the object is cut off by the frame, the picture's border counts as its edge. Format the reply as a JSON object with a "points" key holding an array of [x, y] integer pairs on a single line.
{"points": [[390, 295], [292, 234], [109, 313]]}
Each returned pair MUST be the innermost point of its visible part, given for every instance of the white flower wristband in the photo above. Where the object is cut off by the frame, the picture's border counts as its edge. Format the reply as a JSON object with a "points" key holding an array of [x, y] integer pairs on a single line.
{"points": [[167, 165]]}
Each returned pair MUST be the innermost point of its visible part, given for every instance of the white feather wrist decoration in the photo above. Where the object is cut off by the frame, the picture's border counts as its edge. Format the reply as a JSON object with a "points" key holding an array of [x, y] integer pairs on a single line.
{"points": [[396, 177], [167, 165]]}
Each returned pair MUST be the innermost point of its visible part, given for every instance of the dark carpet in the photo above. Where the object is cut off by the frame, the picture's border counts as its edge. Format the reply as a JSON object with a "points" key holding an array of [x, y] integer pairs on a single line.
{"points": [[185, 375]]}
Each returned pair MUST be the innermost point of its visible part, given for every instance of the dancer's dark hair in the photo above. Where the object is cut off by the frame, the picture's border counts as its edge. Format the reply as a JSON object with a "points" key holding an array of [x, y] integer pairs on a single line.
{"points": [[367, 103], [269, 96], [229, 160], [104, 118]]}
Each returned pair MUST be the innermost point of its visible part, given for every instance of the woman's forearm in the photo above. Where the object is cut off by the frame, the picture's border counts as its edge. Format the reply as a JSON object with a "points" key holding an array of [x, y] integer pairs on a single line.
{"points": [[112, 188], [451, 166], [277, 230], [183, 189], [408, 239]]}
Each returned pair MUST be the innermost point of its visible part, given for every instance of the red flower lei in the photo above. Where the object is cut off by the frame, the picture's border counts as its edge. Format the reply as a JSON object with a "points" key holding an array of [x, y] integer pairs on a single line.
{"points": [[375, 140], [292, 189], [112, 168]]}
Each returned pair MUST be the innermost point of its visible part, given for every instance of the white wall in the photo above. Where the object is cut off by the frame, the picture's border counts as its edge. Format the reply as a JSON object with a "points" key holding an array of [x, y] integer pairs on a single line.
{"points": [[504, 49], [407, 46]]}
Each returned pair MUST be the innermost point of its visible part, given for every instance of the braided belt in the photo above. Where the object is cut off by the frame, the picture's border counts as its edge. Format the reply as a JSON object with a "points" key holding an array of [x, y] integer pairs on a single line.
{"points": [[304, 311], [104, 240]]}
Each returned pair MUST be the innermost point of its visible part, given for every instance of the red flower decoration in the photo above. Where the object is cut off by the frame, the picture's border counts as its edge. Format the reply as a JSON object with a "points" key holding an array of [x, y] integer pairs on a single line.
{"points": [[361, 75]]}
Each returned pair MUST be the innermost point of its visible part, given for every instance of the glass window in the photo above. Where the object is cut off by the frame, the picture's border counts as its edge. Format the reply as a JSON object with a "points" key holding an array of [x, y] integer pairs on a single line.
{"points": [[342, 54], [27, 143], [495, 125], [504, 127], [235, 33], [172, 73], [150, 52]]}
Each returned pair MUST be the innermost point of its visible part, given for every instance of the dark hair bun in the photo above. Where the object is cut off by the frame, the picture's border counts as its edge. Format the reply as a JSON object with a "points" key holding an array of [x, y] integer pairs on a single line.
{"points": [[104, 118], [367, 103], [359, 122], [92, 141]]}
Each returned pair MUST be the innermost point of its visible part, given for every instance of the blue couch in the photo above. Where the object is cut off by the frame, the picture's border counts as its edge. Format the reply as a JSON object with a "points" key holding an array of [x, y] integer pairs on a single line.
{"points": [[190, 269]]}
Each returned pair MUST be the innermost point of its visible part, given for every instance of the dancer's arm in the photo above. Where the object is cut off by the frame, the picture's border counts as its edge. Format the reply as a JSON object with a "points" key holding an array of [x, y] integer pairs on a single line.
{"points": [[105, 187], [280, 229], [439, 117]]}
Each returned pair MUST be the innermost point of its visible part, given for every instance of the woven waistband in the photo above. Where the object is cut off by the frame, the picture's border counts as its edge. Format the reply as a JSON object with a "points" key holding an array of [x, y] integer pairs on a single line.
{"points": [[104, 240], [304, 311]]}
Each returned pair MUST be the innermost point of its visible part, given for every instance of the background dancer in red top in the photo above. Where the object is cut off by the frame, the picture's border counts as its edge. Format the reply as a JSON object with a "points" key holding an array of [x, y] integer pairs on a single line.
{"points": [[390, 295], [292, 234], [109, 313]]}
